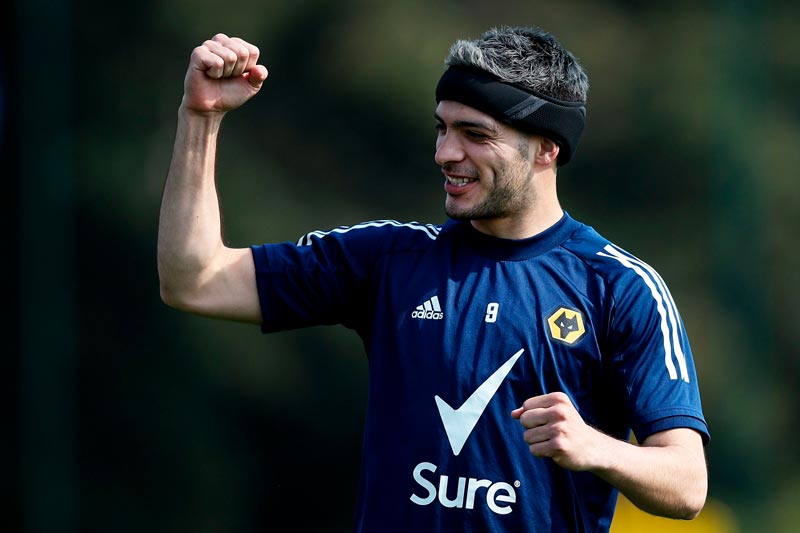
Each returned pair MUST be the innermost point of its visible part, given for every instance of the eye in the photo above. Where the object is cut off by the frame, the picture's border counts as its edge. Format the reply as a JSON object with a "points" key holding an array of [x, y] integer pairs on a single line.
{"points": [[475, 135], [440, 127]]}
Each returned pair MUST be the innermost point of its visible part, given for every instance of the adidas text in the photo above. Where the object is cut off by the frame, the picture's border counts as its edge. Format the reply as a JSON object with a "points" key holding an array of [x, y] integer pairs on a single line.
{"points": [[430, 315], [429, 310]]}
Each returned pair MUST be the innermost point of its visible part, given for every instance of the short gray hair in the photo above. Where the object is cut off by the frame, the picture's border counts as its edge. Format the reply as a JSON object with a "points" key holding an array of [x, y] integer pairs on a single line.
{"points": [[529, 57]]}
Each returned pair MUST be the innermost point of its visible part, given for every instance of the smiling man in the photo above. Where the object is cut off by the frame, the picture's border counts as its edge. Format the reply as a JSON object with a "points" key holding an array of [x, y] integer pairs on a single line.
{"points": [[512, 349], [490, 174]]}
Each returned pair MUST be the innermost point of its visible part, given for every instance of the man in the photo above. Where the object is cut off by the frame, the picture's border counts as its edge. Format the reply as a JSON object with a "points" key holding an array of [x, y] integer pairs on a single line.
{"points": [[511, 350]]}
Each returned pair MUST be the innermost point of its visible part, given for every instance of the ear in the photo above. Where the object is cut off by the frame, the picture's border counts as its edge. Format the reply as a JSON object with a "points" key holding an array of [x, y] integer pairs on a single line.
{"points": [[547, 153]]}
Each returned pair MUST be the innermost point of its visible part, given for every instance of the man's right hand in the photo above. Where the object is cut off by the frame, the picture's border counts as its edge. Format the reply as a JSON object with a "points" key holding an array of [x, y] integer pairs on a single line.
{"points": [[223, 74], [197, 271]]}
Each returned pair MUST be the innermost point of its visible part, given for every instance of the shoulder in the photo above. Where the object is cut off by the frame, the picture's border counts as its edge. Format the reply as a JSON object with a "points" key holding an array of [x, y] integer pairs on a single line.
{"points": [[630, 281], [608, 260], [379, 234]]}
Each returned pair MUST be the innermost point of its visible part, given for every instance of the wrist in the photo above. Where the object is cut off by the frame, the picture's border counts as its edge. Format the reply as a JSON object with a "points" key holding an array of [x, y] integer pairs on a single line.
{"points": [[190, 114], [606, 452], [199, 121]]}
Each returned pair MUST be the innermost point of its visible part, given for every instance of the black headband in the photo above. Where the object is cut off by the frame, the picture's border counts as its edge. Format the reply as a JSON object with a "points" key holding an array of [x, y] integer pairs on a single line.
{"points": [[526, 110]]}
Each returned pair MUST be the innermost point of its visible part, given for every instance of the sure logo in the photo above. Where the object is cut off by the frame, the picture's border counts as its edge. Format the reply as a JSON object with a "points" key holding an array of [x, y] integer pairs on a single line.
{"points": [[499, 495]]}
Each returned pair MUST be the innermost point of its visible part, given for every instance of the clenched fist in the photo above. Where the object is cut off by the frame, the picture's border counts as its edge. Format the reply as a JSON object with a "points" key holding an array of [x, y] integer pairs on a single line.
{"points": [[223, 74], [554, 429]]}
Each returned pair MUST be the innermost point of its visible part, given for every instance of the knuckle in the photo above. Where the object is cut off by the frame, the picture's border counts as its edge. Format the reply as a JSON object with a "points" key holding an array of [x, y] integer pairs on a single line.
{"points": [[560, 397], [559, 444], [559, 429], [198, 53], [530, 402], [560, 412], [228, 56], [241, 47]]}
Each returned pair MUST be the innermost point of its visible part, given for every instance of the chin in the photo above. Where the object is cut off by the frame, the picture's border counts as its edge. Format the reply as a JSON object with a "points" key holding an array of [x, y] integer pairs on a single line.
{"points": [[470, 215], [460, 210]]}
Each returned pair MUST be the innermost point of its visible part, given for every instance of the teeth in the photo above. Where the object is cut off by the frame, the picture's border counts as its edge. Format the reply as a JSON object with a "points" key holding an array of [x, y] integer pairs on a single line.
{"points": [[459, 182]]}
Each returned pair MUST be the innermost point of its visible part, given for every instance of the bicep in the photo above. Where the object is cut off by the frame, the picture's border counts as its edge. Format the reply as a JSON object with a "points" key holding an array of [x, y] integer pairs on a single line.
{"points": [[227, 288], [689, 469], [686, 442]]}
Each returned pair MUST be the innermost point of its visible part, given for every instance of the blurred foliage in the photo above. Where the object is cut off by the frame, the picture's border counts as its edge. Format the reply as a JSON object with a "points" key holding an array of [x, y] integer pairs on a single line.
{"points": [[689, 160]]}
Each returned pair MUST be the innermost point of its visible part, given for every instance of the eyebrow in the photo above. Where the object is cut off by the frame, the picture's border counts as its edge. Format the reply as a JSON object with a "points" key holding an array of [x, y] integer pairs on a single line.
{"points": [[470, 124]]}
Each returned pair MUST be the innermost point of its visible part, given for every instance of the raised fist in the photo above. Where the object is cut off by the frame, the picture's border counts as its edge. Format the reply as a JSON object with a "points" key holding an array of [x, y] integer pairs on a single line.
{"points": [[223, 74]]}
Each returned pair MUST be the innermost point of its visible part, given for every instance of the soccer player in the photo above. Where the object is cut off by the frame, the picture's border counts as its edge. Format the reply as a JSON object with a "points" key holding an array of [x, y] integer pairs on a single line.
{"points": [[512, 349]]}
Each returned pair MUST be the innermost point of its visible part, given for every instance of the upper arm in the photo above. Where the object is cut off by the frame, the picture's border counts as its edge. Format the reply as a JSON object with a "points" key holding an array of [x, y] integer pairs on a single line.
{"points": [[686, 442], [225, 289], [676, 437], [666, 475]]}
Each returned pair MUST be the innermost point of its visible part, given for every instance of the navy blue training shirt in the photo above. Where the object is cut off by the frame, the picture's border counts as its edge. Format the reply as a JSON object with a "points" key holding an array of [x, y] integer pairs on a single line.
{"points": [[461, 328]]}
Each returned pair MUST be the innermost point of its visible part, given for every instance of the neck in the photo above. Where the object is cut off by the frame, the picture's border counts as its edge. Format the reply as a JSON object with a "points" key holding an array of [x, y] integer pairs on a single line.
{"points": [[520, 227]]}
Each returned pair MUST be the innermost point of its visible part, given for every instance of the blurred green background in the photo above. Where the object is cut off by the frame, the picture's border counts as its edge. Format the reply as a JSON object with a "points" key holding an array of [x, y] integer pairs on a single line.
{"points": [[128, 416]]}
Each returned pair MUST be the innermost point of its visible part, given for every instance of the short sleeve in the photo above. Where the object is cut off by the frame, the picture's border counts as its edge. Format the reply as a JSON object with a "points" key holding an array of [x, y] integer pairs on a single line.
{"points": [[650, 354], [317, 281]]}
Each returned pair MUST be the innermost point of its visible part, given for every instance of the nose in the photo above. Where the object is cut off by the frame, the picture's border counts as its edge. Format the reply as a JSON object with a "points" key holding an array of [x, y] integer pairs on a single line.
{"points": [[448, 148]]}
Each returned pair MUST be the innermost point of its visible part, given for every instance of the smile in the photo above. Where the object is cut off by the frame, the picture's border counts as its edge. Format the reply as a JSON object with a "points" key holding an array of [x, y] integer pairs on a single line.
{"points": [[459, 182]]}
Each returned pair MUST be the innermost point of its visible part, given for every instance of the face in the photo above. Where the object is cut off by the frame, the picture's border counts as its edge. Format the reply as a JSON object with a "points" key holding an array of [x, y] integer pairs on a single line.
{"points": [[487, 166]]}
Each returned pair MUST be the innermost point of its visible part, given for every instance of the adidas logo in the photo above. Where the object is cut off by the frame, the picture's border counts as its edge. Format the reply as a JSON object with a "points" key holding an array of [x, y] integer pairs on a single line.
{"points": [[429, 310]]}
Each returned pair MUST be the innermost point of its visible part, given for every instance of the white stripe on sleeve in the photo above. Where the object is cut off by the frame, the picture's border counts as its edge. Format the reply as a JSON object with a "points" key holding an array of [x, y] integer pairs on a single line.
{"points": [[431, 230], [670, 324]]}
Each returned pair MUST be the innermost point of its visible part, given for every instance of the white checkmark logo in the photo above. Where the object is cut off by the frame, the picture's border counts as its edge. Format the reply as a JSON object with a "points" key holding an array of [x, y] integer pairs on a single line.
{"points": [[459, 423]]}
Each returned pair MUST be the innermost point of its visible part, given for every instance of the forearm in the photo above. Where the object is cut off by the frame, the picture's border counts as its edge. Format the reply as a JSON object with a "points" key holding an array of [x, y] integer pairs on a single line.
{"points": [[662, 478], [189, 233]]}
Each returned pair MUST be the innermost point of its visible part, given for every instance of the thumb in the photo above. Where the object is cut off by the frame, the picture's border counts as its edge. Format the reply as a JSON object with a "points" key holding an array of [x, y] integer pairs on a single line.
{"points": [[256, 76]]}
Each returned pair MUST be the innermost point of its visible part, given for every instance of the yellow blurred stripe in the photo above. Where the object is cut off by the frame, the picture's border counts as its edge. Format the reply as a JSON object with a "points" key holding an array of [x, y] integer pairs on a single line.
{"points": [[715, 518]]}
